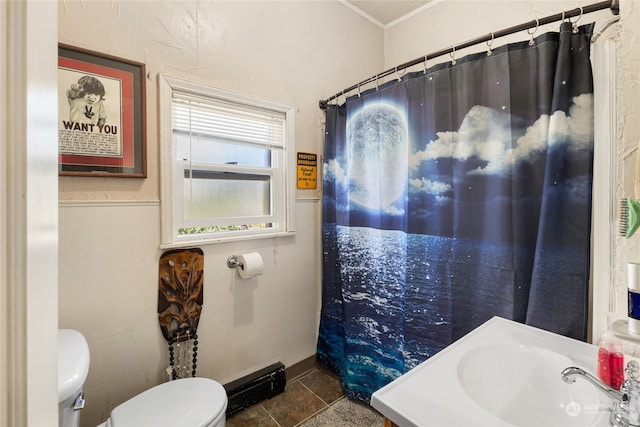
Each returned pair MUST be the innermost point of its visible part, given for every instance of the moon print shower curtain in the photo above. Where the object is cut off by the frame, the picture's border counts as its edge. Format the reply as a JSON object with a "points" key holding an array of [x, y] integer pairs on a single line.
{"points": [[457, 194]]}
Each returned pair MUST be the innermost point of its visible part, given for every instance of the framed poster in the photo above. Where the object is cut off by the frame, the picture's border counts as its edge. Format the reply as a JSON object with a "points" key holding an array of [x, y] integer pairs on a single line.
{"points": [[101, 115]]}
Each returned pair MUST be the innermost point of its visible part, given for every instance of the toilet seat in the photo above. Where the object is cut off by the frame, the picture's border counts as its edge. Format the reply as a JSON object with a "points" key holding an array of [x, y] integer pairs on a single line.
{"points": [[188, 402]]}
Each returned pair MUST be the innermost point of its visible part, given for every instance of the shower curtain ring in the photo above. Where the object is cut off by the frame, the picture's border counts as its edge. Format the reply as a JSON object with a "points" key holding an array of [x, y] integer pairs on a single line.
{"points": [[489, 43], [377, 83], [400, 74], [531, 42], [574, 28], [359, 95], [425, 64], [453, 55]]}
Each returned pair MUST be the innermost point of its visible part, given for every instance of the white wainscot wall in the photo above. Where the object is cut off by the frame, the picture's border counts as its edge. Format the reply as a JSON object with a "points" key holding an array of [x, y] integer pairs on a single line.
{"points": [[108, 275]]}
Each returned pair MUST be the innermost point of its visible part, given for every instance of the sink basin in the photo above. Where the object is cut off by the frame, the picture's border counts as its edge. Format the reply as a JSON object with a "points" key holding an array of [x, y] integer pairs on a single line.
{"points": [[526, 389], [502, 373]]}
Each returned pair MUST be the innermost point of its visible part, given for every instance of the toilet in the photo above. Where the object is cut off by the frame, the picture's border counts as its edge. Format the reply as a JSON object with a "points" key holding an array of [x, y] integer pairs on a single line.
{"points": [[188, 402], [73, 366]]}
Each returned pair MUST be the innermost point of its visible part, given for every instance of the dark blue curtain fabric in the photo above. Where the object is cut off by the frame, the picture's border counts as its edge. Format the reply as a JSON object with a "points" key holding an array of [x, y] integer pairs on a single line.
{"points": [[455, 195]]}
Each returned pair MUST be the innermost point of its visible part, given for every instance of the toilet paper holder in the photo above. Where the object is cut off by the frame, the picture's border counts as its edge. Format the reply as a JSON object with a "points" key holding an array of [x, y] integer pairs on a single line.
{"points": [[249, 265], [232, 261]]}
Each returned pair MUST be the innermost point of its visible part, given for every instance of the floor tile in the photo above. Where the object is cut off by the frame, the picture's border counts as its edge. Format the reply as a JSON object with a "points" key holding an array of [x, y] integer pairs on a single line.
{"points": [[254, 416], [295, 405], [313, 399], [324, 384]]}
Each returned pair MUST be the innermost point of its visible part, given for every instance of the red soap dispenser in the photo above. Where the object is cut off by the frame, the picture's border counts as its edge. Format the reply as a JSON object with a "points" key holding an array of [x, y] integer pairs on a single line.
{"points": [[610, 361]]}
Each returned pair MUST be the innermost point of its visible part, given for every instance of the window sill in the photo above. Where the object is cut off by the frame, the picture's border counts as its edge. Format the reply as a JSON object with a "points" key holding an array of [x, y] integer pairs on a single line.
{"points": [[227, 239]]}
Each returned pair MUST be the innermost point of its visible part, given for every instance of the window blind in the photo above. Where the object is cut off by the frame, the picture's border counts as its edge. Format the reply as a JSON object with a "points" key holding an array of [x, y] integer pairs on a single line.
{"points": [[221, 119]]}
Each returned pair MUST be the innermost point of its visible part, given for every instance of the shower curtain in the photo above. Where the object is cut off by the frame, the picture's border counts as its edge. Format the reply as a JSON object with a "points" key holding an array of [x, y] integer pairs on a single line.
{"points": [[454, 195]]}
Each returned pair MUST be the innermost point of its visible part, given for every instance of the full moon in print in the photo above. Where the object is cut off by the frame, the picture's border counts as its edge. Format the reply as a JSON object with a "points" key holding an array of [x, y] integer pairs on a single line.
{"points": [[377, 140]]}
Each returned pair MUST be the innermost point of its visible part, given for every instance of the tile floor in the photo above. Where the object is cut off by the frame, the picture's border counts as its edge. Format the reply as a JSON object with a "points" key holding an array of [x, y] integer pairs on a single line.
{"points": [[313, 399]]}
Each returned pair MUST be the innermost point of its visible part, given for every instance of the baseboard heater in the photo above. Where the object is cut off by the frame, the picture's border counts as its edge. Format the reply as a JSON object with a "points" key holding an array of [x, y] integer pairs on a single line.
{"points": [[255, 387]]}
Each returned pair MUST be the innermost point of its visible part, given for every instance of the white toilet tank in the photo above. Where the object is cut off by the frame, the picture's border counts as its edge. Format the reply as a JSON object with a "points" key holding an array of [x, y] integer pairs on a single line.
{"points": [[73, 366]]}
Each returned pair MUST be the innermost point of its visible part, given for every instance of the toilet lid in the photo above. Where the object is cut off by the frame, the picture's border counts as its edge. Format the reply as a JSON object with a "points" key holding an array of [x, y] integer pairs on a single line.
{"points": [[192, 402]]}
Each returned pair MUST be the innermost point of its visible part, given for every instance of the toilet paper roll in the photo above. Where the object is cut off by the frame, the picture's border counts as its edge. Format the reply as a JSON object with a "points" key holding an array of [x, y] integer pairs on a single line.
{"points": [[250, 265]]}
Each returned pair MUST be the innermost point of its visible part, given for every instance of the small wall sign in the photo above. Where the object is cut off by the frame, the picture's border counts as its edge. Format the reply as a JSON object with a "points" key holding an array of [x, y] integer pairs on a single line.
{"points": [[307, 170]]}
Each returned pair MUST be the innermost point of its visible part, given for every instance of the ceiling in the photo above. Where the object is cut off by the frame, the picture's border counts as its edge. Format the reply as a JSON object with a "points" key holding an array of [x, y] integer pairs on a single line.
{"points": [[386, 12]]}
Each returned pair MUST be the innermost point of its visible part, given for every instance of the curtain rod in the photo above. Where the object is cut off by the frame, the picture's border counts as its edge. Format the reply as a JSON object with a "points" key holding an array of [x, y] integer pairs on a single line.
{"points": [[614, 5]]}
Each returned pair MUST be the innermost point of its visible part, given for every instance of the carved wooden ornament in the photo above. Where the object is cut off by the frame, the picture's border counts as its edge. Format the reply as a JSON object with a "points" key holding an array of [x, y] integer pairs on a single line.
{"points": [[180, 293]]}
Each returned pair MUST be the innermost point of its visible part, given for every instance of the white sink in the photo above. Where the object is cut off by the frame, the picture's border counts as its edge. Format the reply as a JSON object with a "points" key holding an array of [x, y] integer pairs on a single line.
{"points": [[502, 373], [526, 389]]}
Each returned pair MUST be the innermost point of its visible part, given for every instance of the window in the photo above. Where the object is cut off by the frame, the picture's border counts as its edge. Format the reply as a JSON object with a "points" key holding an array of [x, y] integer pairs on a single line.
{"points": [[225, 163]]}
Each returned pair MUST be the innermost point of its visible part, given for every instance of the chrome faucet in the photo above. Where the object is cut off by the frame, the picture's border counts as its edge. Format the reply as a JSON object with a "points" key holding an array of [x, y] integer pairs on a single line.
{"points": [[626, 412], [570, 374]]}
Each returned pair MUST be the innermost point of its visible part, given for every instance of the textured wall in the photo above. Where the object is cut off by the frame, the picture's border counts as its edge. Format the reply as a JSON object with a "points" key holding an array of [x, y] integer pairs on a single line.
{"points": [[628, 136], [292, 52]]}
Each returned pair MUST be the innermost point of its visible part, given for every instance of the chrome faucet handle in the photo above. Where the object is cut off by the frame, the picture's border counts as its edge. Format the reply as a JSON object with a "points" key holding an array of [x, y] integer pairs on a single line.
{"points": [[630, 402], [633, 373], [633, 370]]}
